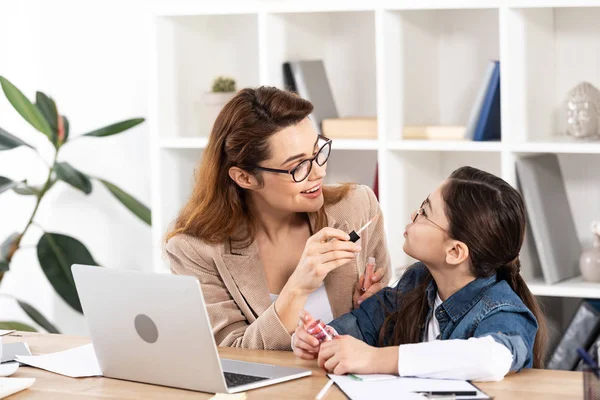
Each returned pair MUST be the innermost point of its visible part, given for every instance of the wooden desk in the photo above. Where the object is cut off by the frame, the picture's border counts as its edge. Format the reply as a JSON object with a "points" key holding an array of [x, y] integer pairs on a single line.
{"points": [[530, 384]]}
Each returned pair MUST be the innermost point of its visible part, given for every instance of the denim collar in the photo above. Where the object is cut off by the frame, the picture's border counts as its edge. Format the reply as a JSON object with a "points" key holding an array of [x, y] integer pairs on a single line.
{"points": [[457, 305]]}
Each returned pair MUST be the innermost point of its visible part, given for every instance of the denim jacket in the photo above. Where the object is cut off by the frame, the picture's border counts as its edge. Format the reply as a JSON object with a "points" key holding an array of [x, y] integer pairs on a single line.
{"points": [[484, 307]]}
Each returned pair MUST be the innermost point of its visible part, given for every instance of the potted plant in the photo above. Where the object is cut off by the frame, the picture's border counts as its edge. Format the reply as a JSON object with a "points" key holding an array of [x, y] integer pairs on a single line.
{"points": [[223, 90], [56, 252]]}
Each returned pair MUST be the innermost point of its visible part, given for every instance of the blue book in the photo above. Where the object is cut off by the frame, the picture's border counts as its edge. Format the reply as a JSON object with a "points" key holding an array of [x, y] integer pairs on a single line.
{"points": [[488, 125]]}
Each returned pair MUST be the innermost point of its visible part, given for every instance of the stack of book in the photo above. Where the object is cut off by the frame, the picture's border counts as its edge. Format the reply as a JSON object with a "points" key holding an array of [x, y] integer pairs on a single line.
{"points": [[483, 125]]}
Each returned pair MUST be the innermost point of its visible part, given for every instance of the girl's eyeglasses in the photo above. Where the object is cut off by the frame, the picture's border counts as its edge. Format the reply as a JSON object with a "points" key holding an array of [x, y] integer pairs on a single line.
{"points": [[421, 211]]}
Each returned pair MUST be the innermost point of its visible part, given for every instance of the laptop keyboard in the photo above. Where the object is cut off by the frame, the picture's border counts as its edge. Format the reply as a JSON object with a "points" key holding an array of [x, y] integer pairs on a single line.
{"points": [[238, 379]]}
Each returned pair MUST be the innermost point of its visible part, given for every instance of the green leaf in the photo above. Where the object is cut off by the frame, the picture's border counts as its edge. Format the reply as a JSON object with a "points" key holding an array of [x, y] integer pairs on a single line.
{"points": [[7, 249], [37, 317], [65, 172], [8, 141], [136, 207], [56, 254], [66, 124], [115, 128], [26, 190], [19, 326], [25, 108], [7, 184], [47, 107]]}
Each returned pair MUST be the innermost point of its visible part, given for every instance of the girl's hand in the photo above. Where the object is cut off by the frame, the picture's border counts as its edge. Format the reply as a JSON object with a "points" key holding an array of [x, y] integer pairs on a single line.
{"points": [[304, 344], [345, 354], [372, 287]]}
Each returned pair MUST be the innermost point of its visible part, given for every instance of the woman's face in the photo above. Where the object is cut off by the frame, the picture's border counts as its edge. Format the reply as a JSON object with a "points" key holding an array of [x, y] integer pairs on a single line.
{"points": [[427, 232], [289, 147]]}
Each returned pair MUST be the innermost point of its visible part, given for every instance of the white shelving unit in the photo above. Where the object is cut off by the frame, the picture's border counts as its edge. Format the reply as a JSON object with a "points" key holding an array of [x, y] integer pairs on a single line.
{"points": [[403, 61]]}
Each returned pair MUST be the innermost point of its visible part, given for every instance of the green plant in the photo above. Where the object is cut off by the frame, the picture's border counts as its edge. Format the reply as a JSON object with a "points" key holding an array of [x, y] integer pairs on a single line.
{"points": [[223, 84], [56, 252]]}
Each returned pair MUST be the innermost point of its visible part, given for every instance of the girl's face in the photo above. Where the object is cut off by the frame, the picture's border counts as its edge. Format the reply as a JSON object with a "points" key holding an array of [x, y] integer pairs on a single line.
{"points": [[291, 150], [426, 236]]}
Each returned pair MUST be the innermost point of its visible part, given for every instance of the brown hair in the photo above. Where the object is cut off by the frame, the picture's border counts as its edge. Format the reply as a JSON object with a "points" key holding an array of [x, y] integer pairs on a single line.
{"points": [[488, 215], [217, 209]]}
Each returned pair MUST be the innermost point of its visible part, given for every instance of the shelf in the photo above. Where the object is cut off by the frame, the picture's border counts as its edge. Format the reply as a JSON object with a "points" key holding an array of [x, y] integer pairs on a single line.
{"points": [[564, 146], [574, 287], [443, 145], [184, 143], [355, 144]]}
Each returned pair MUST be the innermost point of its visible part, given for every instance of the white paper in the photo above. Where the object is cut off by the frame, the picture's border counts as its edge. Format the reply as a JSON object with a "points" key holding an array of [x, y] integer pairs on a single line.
{"points": [[76, 363], [10, 386], [5, 332], [403, 388], [10, 351], [7, 369]]}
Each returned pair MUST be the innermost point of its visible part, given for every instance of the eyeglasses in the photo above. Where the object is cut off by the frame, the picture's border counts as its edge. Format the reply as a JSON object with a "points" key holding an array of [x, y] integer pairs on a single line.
{"points": [[301, 171], [421, 211]]}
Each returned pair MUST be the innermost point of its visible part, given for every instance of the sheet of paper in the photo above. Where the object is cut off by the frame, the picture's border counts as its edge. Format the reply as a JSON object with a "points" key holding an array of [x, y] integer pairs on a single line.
{"points": [[5, 332], [10, 386], [76, 363], [11, 350], [404, 388]]}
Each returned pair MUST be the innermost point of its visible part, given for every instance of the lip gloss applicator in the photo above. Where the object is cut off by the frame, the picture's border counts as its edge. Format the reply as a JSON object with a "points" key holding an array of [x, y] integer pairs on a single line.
{"points": [[354, 236]]}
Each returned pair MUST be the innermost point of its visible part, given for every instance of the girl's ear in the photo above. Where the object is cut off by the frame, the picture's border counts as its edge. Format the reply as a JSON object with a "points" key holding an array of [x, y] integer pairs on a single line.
{"points": [[457, 252], [243, 179]]}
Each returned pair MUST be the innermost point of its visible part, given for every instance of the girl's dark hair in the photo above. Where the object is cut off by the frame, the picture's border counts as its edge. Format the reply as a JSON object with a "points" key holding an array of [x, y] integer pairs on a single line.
{"points": [[488, 215]]}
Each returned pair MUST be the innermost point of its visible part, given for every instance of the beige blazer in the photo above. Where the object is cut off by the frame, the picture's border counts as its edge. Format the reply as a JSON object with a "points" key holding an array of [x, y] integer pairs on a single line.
{"points": [[235, 288]]}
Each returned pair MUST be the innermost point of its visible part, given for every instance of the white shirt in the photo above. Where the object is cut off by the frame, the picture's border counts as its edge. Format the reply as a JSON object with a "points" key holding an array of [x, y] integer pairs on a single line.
{"points": [[478, 359], [317, 304]]}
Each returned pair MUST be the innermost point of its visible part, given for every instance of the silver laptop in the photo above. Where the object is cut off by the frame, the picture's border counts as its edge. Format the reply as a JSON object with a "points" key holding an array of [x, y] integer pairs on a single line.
{"points": [[154, 328]]}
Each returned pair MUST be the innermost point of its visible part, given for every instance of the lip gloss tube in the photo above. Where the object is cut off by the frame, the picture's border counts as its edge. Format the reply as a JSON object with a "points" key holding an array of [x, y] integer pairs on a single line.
{"points": [[319, 330]]}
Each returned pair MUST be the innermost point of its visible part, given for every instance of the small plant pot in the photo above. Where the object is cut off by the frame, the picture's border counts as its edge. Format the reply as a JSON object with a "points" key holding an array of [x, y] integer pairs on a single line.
{"points": [[210, 107]]}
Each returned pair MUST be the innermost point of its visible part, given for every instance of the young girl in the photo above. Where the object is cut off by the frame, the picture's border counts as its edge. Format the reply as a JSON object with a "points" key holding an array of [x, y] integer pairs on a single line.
{"points": [[463, 311]]}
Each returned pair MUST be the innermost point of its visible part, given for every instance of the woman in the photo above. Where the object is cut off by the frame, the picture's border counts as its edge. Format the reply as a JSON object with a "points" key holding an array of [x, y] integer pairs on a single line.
{"points": [[262, 234], [464, 311]]}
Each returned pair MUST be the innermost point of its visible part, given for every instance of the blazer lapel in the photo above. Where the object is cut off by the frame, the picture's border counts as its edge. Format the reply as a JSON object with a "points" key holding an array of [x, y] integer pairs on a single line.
{"points": [[246, 269]]}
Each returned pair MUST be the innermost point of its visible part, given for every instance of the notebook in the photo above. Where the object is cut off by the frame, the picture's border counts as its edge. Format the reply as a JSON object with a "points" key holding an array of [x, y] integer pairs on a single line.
{"points": [[309, 80], [550, 218]]}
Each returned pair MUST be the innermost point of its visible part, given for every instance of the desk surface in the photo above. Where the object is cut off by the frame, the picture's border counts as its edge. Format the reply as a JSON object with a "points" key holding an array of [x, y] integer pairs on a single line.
{"points": [[529, 384]]}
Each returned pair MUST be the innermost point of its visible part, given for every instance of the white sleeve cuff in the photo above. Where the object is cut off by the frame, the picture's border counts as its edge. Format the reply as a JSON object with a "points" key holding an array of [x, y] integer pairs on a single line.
{"points": [[478, 359]]}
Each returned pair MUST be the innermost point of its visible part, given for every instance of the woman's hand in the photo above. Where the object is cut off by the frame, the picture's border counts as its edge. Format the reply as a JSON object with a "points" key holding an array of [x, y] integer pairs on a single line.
{"points": [[325, 251], [345, 354], [304, 344], [364, 290]]}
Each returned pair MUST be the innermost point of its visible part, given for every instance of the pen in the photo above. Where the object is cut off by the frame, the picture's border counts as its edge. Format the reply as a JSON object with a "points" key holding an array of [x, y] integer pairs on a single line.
{"points": [[324, 390], [450, 393], [587, 358]]}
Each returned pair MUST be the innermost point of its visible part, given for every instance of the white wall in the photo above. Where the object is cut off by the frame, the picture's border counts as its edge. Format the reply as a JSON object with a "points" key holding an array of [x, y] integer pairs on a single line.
{"points": [[91, 57]]}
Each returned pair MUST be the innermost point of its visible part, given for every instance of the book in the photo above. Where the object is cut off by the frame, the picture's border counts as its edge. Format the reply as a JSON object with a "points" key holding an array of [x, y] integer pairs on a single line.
{"points": [[434, 132], [488, 125], [310, 82], [583, 329], [476, 108], [549, 214], [350, 128]]}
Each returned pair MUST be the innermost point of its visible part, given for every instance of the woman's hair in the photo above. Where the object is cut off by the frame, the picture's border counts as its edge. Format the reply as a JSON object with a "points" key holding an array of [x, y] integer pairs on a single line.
{"points": [[488, 215], [217, 208]]}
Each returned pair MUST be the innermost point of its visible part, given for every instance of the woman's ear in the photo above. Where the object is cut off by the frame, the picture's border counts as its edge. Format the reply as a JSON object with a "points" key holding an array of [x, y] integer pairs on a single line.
{"points": [[457, 252], [243, 179]]}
